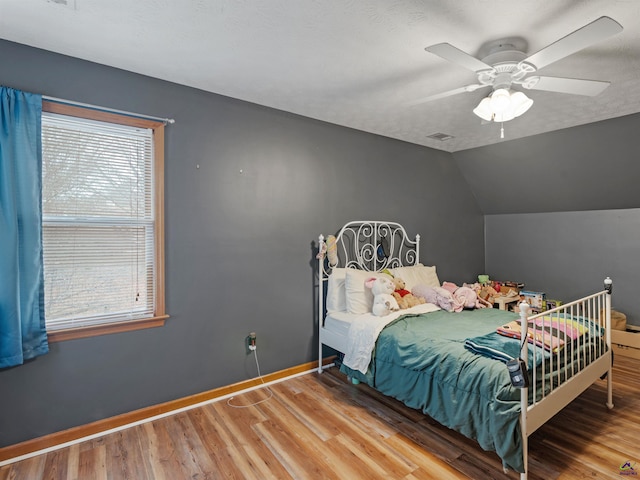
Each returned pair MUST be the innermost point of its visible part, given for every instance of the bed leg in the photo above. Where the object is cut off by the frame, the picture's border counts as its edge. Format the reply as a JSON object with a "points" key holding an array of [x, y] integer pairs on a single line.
{"points": [[524, 392], [610, 389], [319, 354], [608, 286]]}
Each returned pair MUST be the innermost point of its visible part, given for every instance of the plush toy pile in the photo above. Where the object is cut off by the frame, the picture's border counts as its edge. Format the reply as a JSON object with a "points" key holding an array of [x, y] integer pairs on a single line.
{"points": [[390, 295], [451, 297]]}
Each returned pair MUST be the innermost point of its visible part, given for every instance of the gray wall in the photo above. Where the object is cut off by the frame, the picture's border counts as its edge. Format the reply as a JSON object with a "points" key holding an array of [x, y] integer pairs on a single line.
{"points": [[562, 209], [569, 254], [590, 167], [240, 246]]}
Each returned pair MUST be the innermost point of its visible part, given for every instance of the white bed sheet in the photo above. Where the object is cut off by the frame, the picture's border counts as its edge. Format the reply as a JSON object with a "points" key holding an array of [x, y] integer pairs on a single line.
{"points": [[339, 322]]}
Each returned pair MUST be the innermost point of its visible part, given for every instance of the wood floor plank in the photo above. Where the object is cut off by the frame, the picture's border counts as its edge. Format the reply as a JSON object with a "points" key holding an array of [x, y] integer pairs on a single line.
{"points": [[197, 449], [56, 465], [92, 464], [304, 409], [322, 427], [123, 456], [30, 468], [426, 463], [73, 462], [289, 433], [335, 417], [375, 457], [289, 452], [256, 459], [170, 462], [149, 447], [180, 446]]}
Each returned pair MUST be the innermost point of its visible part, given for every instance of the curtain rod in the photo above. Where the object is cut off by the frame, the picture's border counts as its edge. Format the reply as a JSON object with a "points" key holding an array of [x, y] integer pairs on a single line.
{"points": [[105, 109]]}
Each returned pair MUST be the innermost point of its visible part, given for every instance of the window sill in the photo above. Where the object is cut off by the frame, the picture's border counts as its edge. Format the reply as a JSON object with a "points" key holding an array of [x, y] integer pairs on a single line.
{"points": [[96, 330]]}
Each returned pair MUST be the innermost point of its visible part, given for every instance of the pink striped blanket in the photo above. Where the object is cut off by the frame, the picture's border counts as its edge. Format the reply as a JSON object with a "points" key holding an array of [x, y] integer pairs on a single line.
{"points": [[550, 333]]}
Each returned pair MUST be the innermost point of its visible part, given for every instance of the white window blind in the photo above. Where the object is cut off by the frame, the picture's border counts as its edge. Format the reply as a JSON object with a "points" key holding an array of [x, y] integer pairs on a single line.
{"points": [[98, 222]]}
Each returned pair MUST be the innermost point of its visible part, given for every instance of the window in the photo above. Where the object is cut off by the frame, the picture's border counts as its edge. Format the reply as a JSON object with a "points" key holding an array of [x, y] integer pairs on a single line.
{"points": [[102, 200]]}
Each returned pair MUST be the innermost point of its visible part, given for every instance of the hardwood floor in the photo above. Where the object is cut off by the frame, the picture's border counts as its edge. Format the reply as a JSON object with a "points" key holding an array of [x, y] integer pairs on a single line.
{"points": [[321, 427]]}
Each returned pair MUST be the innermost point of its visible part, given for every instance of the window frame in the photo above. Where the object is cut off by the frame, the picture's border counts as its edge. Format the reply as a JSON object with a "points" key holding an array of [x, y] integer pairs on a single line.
{"points": [[159, 314]]}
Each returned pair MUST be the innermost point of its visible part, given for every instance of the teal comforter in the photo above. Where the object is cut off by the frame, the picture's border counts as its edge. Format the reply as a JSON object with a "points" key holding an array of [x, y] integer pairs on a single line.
{"points": [[421, 360]]}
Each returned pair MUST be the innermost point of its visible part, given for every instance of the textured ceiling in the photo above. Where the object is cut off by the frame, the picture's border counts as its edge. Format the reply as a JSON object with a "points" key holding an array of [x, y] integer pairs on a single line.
{"points": [[354, 63]]}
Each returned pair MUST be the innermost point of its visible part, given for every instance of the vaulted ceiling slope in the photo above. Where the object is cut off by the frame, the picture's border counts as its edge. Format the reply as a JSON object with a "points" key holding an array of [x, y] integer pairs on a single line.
{"points": [[587, 167], [362, 65]]}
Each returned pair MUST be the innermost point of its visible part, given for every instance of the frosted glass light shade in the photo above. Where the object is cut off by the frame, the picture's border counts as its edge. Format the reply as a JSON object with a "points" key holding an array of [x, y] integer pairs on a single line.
{"points": [[502, 106], [483, 110], [503, 116], [520, 103], [500, 100]]}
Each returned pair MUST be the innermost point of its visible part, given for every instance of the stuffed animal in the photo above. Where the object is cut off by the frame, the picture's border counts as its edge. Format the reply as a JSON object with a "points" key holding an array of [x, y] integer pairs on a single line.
{"points": [[332, 250], [439, 296], [383, 301], [488, 294], [465, 296], [404, 297]]}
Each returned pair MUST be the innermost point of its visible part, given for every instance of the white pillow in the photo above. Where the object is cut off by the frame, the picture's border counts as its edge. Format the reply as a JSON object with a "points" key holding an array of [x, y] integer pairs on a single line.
{"points": [[359, 297], [417, 275], [336, 294]]}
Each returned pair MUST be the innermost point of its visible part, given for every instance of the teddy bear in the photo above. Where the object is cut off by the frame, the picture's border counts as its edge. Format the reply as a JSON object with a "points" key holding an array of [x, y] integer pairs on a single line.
{"points": [[488, 294], [404, 297], [383, 301]]}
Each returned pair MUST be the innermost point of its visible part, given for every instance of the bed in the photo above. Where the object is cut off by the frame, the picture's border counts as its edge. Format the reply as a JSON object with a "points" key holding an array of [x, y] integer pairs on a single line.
{"points": [[452, 365]]}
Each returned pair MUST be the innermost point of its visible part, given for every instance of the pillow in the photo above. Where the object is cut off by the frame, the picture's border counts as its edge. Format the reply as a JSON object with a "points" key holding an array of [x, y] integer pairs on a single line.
{"points": [[359, 298], [336, 295], [417, 275]]}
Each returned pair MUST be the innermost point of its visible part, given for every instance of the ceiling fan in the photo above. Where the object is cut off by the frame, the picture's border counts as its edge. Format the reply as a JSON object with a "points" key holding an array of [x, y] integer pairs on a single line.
{"points": [[506, 65]]}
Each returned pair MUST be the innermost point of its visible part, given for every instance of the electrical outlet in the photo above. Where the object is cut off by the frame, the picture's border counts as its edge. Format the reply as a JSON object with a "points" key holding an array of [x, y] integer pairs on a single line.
{"points": [[251, 341]]}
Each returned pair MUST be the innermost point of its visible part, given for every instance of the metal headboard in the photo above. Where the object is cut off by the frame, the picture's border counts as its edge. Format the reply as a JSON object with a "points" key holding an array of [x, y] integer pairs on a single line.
{"points": [[371, 246]]}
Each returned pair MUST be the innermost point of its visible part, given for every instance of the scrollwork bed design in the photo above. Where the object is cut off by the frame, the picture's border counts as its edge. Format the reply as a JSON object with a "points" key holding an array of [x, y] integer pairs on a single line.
{"points": [[373, 246], [361, 245]]}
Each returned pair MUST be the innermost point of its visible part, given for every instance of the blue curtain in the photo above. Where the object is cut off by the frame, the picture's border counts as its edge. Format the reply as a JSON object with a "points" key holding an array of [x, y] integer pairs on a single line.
{"points": [[22, 329]]}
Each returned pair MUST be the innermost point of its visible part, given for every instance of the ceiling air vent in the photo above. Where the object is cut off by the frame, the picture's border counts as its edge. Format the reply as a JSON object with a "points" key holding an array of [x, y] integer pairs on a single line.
{"points": [[440, 136], [71, 4]]}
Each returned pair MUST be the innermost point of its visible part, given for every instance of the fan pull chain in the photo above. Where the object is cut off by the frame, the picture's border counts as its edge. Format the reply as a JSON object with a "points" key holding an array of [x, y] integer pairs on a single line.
{"points": [[501, 130]]}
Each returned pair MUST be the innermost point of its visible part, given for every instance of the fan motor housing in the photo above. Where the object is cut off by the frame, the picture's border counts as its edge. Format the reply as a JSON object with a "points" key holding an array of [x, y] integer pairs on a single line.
{"points": [[504, 56]]}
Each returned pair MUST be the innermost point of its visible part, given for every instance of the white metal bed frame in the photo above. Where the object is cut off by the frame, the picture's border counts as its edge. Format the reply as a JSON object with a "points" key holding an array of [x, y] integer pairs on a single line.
{"points": [[358, 246]]}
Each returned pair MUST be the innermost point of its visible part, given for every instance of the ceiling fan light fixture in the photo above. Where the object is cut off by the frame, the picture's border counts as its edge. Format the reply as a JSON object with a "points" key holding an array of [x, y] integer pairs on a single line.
{"points": [[483, 110], [500, 100], [503, 116], [520, 103], [503, 105]]}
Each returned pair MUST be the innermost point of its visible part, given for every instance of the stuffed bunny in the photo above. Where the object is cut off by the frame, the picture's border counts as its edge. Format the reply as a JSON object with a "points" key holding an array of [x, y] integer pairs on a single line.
{"points": [[383, 301]]}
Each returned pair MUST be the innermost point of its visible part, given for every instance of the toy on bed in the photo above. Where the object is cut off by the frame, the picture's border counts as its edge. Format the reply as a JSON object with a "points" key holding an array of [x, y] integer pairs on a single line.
{"points": [[466, 296], [404, 297], [382, 288], [439, 296]]}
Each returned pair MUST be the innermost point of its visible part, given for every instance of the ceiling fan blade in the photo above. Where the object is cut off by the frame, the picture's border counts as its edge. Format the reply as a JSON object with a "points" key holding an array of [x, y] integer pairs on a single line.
{"points": [[449, 93], [576, 86], [455, 55], [584, 37]]}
